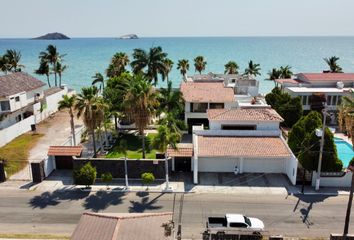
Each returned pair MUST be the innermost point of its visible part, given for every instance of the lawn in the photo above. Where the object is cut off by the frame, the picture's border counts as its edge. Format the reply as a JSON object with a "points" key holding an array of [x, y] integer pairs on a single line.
{"points": [[134, 147], [16, 152]]}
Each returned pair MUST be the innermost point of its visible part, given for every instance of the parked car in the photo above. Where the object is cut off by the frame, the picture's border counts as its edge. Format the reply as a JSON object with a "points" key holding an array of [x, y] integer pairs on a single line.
{"points": [[231, 221]]}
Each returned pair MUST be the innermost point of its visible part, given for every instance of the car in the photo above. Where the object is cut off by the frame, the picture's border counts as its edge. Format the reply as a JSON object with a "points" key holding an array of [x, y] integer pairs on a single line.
{"points": [[236, 221]]}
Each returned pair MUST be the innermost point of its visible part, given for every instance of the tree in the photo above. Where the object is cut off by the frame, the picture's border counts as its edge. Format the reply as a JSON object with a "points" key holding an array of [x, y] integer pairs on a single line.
{"points": [[91, 108], [85, 175], [183, 67], [147, 178], [231, 68], [350, 200], [107, 178], [285, 72], [170, 100], [289, 108], [52, 56], [273, 75], [118, 63], [333, 65], [154, 61], [4, 65], [253, 69], [140, 103], [98, 78], [12, 59], [44, 70], [122, 148], [68, 102], [168, 67], [59, 69], [346, 116], [199, 64]]}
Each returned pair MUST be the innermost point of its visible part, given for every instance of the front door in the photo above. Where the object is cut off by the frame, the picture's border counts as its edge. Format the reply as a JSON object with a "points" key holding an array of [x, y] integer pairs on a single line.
{"points": [[183, 164]]}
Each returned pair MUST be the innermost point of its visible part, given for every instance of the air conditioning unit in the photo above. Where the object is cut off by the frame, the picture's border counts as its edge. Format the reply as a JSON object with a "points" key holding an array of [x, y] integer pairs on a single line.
{"points": [[340, 85]]}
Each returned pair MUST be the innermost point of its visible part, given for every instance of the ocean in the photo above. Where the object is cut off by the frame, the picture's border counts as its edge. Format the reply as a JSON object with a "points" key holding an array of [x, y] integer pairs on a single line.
{"points": [[86, 56]]}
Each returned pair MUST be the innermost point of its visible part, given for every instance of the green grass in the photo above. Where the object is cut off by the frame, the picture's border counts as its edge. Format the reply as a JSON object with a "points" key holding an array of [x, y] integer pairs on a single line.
{"points": [[16, 152], [31, 236], [134, 147]]}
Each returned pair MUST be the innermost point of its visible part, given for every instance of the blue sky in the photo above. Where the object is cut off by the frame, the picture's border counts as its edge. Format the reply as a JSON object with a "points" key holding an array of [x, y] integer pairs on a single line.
{"points": [[111, 18]]}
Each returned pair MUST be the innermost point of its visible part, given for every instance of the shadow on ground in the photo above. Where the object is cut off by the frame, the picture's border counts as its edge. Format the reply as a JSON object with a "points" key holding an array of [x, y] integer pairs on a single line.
{"points": [[103, 199], [144, 204], [47, 199]]}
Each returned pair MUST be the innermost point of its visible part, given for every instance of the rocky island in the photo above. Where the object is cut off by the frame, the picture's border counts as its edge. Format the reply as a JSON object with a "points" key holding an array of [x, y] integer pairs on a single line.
{"points": [[52, 36], [129, 36]]}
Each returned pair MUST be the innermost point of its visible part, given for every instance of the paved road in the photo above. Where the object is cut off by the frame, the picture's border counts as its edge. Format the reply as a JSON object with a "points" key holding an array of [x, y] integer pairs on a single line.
{"points": [[59, 212]]}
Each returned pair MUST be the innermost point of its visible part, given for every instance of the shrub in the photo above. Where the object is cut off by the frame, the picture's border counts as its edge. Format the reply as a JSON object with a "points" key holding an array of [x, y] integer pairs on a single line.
{"points": [[351, 163], [147, 178], [86, 175], [106, 178]]}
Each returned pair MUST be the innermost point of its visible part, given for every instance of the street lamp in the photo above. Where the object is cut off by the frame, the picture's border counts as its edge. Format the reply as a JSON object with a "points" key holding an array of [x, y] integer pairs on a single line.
{"points": [[321, 133]]}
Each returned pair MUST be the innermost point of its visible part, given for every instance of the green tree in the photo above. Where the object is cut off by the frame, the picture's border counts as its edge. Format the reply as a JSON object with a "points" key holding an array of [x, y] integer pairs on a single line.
{"points": [[231, 68], [333, 65], [12, 59], [199, 64], [350, 199], [59, 69], [117, 65], [154, 61], [285, 72], [91, 108], [98, 78], [147, 178], [140, 103], [68, 102], [253, 69], [44, 70], [85, 175], [170, 100], [52, 56], [107, 178], [273, 75], [346, 116], [183, 67], [289, 108], [168, 67], [4, 65]]}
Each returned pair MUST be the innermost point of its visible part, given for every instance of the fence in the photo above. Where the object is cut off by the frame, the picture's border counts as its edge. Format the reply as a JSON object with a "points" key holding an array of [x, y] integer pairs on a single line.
{"points": [[10, 133], [333, 180]]}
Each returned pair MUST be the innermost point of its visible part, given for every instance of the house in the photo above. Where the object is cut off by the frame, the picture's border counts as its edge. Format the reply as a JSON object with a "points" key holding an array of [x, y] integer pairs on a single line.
{"points": [[248, 140], [309, 86], [125, 226], [217, 91]]}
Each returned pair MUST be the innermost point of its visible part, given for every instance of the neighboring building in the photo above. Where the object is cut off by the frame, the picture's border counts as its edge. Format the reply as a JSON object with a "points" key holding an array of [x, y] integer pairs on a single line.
{"points": [[218, 91], [124, 226], [248, 140], [331, 86]]}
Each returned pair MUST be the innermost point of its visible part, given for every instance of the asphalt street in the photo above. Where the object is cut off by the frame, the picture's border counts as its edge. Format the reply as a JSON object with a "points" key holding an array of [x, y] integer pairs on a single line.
{"points": [[58, 212]]}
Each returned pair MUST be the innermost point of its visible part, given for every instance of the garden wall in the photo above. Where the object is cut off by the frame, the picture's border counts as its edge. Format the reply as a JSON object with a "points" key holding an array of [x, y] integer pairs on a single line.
{"points": [[135, 167], [335, 181]]}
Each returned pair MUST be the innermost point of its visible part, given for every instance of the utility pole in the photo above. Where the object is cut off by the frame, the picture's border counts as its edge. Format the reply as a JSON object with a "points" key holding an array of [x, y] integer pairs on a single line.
{"points": [[318, 177]]}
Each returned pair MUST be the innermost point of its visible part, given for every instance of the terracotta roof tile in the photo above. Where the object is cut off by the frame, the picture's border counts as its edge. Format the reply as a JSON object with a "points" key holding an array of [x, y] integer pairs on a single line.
{"points": [[206, 92], [183, 150], [225, 146], [18, 82], [327, 76], [249, 114], [288, 80], [65, 151]]}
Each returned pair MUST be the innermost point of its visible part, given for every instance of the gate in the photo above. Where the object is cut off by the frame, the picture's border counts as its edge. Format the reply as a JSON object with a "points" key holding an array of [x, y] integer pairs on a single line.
{"points": [[18, 170]]}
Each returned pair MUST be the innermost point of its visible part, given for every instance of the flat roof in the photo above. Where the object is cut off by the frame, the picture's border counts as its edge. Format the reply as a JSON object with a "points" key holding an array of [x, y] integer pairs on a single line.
{"points": [[202, 92], [319, 90]]}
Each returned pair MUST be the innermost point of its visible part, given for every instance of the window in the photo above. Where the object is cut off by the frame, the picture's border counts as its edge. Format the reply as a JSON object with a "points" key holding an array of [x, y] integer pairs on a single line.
{"points": [[304, 100], [238, 127], [334, 100], [5, 106], [17, 99], [18, 118], [238, 225], [329, 100], [199, 107], [217, 105]]}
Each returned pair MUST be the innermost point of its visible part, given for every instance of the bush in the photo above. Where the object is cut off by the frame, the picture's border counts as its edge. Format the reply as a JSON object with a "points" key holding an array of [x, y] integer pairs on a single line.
{"points": [[106, 177], [86, 175], [147, 178], [351, 163]]}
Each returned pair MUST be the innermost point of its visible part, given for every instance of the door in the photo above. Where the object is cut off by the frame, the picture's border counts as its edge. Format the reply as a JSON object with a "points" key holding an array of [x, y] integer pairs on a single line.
{"points": [[183, 164], [64, 162]]}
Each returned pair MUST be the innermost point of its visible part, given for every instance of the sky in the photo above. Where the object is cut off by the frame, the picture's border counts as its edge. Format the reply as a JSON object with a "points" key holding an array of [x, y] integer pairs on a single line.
{"points": [[165, 18]]}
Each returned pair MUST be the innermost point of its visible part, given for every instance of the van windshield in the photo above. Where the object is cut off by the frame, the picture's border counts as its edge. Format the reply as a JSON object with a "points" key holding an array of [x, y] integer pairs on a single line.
{"points": [[248, 221]]}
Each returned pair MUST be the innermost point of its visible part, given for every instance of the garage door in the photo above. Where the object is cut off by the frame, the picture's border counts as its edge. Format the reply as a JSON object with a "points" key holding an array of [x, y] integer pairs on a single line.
{"points": [[263, 165], [217, 164]]}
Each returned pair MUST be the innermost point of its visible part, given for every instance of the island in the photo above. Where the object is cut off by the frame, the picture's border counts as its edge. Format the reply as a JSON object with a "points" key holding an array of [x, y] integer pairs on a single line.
{"points": [[52, 36], [129, 36]]}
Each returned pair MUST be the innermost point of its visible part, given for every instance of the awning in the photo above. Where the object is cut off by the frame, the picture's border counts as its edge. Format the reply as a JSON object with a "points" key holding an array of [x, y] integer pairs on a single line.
{"points": [[65, 151]]}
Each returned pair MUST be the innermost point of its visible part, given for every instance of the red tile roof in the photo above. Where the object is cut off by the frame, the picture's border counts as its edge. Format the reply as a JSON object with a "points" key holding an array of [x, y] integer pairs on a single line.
{"points": [[231, 146], [65, 151], [128, 226], [206, 92], [249, 114], [287, 80], [327, 76], [183, 150]]}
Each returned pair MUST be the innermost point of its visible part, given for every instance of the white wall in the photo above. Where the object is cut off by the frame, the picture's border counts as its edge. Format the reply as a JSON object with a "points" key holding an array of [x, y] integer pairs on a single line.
{"points": [[49, 165], [291, 169], [261, 125], [8, 134], [264, 165], [344, 181], [217, 164]]}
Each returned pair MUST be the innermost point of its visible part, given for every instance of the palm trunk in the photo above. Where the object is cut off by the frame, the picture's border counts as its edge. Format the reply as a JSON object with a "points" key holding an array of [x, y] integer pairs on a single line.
{"points": [[72, 126], [48, 81], [94, 143], [350, 201], [55, 77], [59, 80], [115, 122]]}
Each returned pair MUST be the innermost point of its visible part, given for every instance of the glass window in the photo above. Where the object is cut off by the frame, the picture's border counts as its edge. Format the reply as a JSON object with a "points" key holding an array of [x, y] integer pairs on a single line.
{"points": [[238, 225], [5, 105], [217, 105], [199, 107], [334, 100], [17, 99], [329, 98]]}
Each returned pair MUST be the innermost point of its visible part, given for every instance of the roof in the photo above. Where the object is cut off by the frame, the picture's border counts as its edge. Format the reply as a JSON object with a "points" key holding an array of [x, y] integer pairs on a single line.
{"points": [[65, 151], [52, 90], [287, 80], [337, 77], [138, 226], [18, 82], [248, 114], [319, 90], [183, 150], [235, 218], [206, 92], [231, 146]]}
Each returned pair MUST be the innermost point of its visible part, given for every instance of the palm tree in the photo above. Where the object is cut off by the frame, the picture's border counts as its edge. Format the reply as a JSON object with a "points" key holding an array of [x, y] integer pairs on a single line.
{"points": [[183, 67], [118, 63], [253, 69], [98, 78], [44, 70], [333, 65], [52, 56], [174, 124], [346, 116], [152, 60], [140, 103], [273, 75], [13, 58], [285, 72], [199, 64], [170, 100], [168, 67], [91, 108], [60, 69], [4, 65], [68, 102], [350, 200], [231, 68]]}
